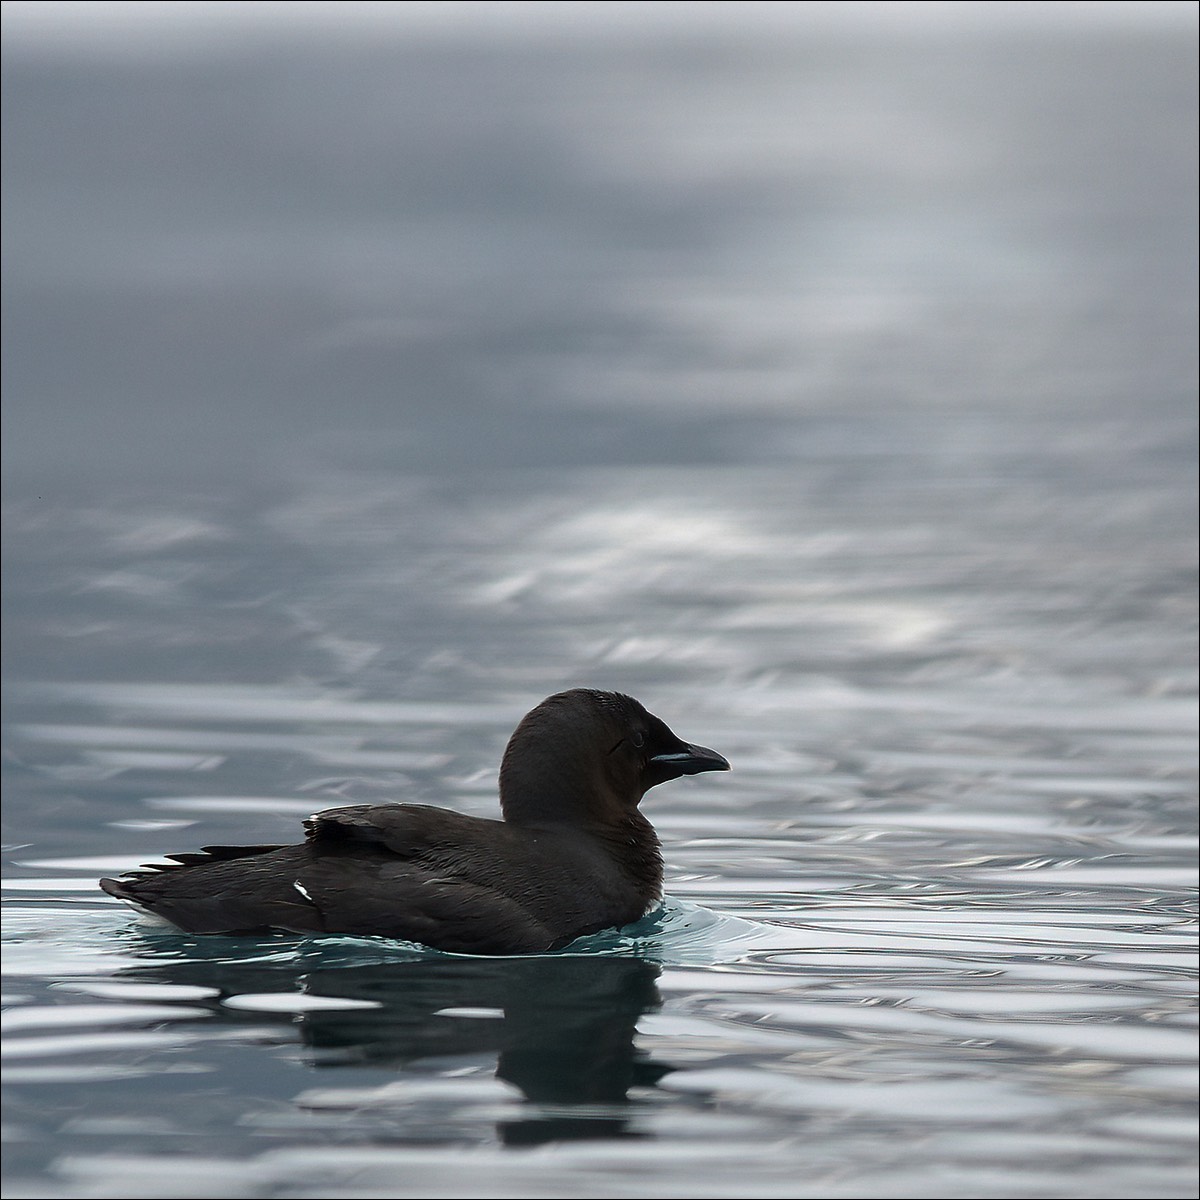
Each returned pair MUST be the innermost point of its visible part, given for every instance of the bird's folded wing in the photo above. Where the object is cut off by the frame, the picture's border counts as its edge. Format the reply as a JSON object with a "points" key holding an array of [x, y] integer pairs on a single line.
{"points": [[407, 830], [421, 905]]}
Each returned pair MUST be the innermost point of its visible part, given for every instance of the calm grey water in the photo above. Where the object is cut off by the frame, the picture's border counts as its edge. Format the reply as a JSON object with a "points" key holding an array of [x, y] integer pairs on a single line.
{"points": [[834, 397]]}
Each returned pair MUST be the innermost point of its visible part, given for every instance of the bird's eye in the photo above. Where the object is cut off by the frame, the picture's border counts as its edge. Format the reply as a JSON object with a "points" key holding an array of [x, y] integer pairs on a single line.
{"points": [[636, 740]]}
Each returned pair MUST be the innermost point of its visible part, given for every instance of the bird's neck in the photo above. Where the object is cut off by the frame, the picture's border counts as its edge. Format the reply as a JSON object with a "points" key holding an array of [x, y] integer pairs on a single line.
{"points": [[633, 846]]}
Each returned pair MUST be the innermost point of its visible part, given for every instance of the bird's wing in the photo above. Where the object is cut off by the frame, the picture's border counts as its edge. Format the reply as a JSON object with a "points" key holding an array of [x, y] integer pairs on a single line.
{"points": [[202, 857], [420, 904], [406, 830], [223, 889], [420, 873]]}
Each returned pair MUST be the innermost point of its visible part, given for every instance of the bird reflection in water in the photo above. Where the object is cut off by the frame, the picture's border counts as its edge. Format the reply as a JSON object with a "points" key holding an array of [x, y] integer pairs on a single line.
{"points": [[563, 1025]]}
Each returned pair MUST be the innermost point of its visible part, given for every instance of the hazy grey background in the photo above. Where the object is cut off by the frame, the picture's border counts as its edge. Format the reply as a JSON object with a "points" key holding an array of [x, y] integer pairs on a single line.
{"points": [[551, 239]]}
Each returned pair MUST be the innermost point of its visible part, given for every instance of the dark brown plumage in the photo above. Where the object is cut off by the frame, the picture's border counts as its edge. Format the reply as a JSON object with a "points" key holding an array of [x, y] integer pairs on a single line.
{"points": [[573, 854]]}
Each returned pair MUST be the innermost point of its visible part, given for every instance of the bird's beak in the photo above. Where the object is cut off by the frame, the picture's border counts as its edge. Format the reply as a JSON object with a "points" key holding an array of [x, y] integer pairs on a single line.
{"points": [[689, 760]]}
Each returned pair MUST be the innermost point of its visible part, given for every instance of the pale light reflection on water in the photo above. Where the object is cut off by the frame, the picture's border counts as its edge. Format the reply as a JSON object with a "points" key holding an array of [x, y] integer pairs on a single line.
{"points": [[835, 401]]}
